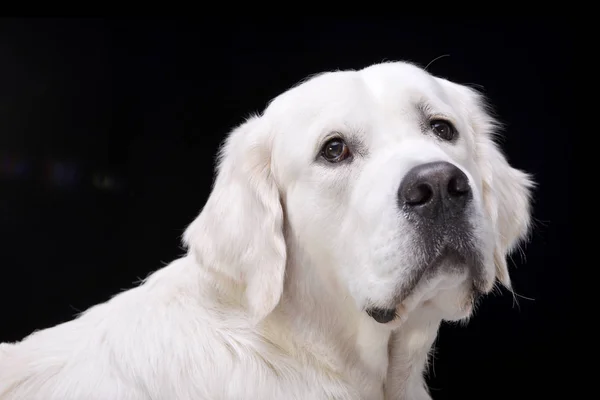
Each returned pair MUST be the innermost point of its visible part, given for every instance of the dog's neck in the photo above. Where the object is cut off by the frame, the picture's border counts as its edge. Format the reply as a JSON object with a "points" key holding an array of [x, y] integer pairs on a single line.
{"points": [[409, 349], [316, 312]]}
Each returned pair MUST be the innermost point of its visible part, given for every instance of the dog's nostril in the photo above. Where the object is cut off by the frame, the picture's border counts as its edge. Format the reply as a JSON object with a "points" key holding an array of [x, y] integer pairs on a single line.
{"points": [[458, 186], [418, 194]]}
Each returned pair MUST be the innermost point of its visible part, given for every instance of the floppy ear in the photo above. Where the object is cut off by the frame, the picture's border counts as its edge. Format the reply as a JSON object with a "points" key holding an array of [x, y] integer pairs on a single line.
{"points": [[507, 199], [506, 191], [239, 232]]}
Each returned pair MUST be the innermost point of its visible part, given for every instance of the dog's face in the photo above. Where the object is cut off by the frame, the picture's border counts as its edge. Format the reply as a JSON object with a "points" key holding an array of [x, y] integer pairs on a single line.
{"points": [[387, 177]]}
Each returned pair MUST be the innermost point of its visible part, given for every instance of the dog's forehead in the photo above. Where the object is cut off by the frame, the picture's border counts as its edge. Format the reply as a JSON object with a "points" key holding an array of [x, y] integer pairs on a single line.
{"points": [[326, 93], [386, 86], [398, 84]]}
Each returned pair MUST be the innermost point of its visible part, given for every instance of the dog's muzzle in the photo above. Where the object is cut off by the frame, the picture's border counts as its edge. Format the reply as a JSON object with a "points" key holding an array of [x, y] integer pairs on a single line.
{"points": [[435, 197]]}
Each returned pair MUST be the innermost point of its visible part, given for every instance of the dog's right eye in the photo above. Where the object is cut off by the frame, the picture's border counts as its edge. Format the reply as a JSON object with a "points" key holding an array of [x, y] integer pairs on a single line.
{"points": [[335, 150]]}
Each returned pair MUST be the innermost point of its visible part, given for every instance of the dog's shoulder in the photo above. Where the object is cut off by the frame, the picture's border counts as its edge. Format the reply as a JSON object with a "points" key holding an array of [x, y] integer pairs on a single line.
{"points": [[113, 350], [173, 335]]}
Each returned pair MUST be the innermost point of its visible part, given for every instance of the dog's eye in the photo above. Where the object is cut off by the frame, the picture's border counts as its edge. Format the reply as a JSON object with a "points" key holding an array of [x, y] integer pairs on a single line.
{"points": [[335, 150], [443, 129]]}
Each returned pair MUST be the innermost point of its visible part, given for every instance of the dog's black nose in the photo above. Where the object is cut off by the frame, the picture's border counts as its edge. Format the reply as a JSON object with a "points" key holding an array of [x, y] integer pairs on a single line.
{"points": [[437, 190]]}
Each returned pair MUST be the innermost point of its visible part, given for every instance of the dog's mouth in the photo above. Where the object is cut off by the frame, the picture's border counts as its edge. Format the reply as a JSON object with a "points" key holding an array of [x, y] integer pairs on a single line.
{"points": [[382, 315], [449, 261]]}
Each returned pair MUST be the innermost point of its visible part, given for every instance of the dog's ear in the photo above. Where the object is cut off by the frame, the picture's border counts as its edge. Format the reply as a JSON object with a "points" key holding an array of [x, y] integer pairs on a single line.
{"points": [[239, 232], [507, 199], [506, 191]]}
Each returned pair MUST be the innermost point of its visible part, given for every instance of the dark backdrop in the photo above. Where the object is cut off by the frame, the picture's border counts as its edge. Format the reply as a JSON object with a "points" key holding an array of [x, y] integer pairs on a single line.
{"points": [[108, 130]]}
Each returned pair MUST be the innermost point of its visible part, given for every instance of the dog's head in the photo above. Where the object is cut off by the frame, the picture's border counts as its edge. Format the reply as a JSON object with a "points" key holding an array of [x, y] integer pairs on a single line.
{"points": [[387, 176]]}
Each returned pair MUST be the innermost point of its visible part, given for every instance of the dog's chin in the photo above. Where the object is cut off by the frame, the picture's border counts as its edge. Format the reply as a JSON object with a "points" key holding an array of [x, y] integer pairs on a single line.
{"points": [[455, 304], [446, 288]]}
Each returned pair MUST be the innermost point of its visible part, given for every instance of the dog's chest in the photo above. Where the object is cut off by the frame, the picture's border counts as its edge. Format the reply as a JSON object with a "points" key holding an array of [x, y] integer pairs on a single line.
{"points": [[311, 383], [269, 372]]}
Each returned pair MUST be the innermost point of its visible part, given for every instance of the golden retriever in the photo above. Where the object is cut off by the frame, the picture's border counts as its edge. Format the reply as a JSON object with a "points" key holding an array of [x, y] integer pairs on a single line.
{"points": [[351, 217]]}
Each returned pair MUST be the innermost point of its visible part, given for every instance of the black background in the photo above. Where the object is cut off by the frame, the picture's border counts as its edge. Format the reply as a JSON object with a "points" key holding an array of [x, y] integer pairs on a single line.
{"points": [[108, 131]]}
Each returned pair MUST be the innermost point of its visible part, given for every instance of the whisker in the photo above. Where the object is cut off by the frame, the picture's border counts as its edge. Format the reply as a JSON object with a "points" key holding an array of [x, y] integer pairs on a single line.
{"points": [[435, 59]]}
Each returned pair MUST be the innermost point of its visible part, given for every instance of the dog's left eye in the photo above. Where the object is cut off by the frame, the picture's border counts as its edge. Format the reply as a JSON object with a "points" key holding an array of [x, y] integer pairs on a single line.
{"points": [[443, 129], [335, 150]]}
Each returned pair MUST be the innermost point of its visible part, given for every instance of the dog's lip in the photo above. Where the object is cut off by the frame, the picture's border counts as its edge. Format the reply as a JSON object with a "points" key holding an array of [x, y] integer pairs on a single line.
{"points": [[392, 316], [430, 269], [382, 315], [409, 300]]}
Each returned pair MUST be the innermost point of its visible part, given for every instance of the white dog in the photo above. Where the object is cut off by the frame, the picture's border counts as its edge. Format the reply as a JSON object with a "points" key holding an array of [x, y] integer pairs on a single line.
{"points": [[346, 222]]}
